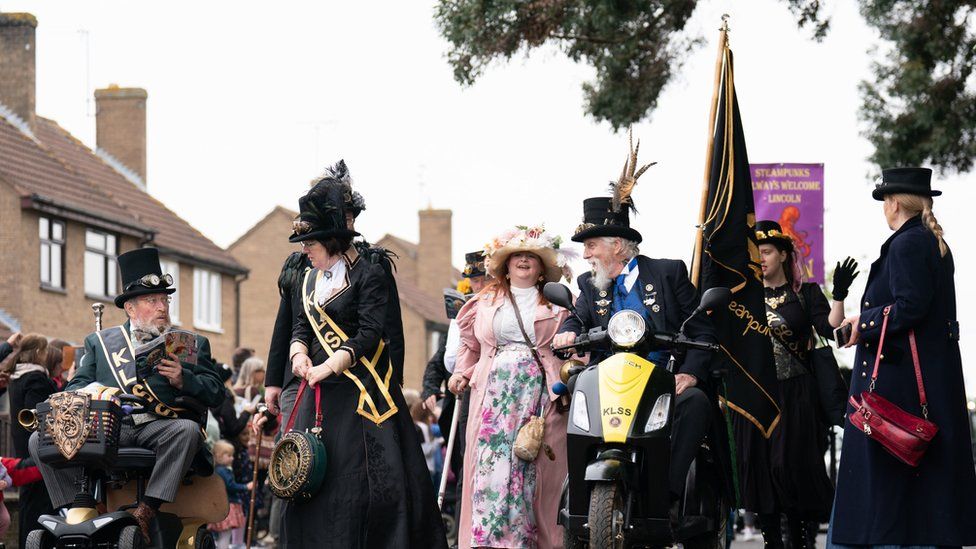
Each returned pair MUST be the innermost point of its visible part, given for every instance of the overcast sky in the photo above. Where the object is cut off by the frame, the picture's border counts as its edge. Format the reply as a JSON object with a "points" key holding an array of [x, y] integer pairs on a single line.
{"points": [[248, 101]]}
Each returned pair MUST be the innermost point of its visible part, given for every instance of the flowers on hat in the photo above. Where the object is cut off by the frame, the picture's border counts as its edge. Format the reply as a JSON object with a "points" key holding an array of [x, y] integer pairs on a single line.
{"points": [[529, 238]]}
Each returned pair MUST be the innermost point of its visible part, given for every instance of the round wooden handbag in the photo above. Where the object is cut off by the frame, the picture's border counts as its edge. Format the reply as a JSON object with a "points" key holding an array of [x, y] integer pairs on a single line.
{"points": [[298, 461]]}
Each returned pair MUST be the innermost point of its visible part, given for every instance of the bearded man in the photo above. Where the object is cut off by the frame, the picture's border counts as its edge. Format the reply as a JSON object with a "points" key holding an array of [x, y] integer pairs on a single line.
{"points": [[660, 291], [109, 361]]}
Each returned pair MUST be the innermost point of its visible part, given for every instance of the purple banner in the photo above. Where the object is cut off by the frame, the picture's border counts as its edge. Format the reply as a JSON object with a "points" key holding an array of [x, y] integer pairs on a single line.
{"points": [[793, 196]]}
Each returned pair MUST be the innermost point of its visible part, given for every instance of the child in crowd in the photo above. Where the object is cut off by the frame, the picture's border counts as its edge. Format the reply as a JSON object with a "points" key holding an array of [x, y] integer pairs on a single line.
{"points": [[5, 482], [230, 531]]}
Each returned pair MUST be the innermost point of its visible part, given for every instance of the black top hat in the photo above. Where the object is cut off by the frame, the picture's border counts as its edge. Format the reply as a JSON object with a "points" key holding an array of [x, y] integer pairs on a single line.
{"points": [[322, 212], [474, 264], [141, 275], [905, 180], [770, 232], [599, 219]]}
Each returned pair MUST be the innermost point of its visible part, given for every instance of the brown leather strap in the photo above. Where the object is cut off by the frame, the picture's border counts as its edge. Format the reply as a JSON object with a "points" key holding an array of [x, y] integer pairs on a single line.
{"points": [[518, 318], [535, 354], [915, 362]]}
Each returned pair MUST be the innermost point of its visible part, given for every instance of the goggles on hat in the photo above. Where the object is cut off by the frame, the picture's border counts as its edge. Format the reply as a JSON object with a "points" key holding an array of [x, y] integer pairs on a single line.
{"points": [[151, 280]]}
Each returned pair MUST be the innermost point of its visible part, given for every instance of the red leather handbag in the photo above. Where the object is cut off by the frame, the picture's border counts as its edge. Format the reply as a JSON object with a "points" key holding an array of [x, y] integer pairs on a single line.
{"points": [[903, 435]]}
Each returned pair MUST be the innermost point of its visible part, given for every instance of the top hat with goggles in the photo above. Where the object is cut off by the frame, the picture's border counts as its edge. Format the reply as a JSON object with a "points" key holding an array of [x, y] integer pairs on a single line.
{"points": [[142, 275]]}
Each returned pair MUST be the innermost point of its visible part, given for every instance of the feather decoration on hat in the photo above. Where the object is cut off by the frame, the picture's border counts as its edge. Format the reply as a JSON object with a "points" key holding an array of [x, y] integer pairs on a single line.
{"points": [[337, 172], [326, 202], [621, 190]]}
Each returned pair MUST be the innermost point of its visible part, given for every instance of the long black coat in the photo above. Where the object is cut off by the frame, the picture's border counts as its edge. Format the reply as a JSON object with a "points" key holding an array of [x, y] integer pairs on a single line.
{"points": [[879, 499]]}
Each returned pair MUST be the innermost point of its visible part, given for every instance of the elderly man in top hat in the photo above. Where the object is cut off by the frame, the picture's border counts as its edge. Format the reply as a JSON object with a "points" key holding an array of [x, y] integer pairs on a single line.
{"points": [[109, 361], [658, 289]]}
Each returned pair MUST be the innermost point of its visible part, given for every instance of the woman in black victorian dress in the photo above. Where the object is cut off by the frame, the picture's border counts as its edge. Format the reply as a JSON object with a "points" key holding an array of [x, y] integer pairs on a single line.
{"points": [[377, 491], [795, 310]]}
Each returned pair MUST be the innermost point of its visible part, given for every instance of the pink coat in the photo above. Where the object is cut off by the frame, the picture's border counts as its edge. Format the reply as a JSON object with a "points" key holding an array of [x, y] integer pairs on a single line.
{"points": [[474, 361]]}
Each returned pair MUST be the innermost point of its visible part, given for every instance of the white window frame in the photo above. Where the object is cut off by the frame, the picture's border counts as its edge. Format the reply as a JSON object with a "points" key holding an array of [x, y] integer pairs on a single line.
{"points": [[51, 275], [109, 268], [172, 267], [207, 300]]}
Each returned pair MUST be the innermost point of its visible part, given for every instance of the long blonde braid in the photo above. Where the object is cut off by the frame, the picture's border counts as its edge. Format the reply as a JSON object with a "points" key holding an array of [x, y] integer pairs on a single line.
{"points": [[917, 204]]}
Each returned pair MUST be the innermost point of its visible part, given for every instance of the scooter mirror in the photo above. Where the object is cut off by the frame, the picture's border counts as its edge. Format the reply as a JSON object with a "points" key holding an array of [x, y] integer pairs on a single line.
{"points": [[715, 298], [557, 294]]}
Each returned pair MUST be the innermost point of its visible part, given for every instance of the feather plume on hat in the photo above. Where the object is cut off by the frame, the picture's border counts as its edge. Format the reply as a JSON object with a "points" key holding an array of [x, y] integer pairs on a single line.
{"points": [[621, 189], [337, 172]]}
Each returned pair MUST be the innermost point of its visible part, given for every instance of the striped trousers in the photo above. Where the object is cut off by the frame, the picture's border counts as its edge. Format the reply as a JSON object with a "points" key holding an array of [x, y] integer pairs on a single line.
{"points": [[175, 442]]}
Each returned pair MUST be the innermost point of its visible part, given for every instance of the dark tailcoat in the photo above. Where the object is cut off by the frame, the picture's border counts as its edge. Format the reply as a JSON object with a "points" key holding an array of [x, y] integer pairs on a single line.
{"points": [[279, 368], [669, 298], [879, 499]]}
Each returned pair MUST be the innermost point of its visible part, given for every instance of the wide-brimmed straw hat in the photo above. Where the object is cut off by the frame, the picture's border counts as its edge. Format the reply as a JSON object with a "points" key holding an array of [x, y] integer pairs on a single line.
{"points": [[533, 240]]}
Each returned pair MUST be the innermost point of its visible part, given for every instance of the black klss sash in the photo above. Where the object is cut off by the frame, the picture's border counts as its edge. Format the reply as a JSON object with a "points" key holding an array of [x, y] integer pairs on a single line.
{"points": [[369, 374], [120, 356]]}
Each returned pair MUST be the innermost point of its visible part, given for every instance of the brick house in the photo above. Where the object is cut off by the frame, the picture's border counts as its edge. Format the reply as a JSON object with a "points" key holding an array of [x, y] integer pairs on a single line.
{"points": [[67, 212], [422, 272]]}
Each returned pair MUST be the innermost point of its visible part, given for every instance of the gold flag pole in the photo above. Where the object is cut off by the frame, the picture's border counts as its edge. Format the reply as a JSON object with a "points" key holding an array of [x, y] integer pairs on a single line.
{"points": [[700, 233]]}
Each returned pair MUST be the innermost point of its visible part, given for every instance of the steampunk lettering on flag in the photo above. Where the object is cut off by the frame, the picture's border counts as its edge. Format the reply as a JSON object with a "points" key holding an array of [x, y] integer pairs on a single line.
{"points": [[793, 196], [727, 255]]}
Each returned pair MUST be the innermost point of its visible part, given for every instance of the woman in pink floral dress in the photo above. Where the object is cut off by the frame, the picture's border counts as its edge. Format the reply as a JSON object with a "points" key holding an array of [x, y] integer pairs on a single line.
{"points": [[510, 503]]}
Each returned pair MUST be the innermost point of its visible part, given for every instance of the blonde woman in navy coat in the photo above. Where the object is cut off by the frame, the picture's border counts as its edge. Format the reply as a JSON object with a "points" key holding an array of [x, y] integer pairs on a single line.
{"points": [[880, 500]]}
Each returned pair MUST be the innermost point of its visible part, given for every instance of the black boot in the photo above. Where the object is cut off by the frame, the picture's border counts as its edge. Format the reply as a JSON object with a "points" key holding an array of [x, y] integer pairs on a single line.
{"points": [[800, 534], [772, 531]]}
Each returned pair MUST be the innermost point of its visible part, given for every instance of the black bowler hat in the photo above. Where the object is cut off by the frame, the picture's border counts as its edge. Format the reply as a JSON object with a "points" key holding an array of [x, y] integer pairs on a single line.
{"points": [[322, 211], [141, 275], [600, 219], [905, 180], [474, 264], [770, 232]]}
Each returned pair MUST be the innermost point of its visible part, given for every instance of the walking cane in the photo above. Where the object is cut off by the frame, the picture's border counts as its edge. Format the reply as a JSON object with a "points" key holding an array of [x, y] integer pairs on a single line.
{"points": [[450, 450], [254, 481]]}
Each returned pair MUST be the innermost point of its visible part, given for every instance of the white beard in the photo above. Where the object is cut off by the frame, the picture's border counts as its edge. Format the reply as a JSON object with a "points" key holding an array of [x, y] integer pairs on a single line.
{"points": [[601, 276], [143, 333]]}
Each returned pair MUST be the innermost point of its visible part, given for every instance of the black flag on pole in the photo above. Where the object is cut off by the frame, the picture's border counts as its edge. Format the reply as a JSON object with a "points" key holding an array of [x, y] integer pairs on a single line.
{"points": [[730, 258]]}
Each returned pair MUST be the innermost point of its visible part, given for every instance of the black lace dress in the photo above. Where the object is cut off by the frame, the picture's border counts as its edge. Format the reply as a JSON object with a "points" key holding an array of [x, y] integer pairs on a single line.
{"points": [[797, 446]]}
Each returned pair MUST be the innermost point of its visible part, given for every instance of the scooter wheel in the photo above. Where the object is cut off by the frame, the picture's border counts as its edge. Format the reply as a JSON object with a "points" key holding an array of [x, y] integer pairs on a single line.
{"points": [[606, 518], [131, 538], [38, 539]]}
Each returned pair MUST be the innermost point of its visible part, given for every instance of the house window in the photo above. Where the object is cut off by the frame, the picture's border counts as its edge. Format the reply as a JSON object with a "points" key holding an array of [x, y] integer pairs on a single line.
{"points": [[173, 268], [206, 299], [101, 273], [52, 253]]}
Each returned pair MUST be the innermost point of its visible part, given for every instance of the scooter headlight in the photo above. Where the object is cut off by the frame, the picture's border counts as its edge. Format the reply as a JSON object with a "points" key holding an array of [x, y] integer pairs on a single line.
{"points": [[659, 413], [626, 328], [580, 418]]}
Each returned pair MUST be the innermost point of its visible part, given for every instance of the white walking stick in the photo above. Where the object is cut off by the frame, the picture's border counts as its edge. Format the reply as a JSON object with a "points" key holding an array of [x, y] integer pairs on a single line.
{"points": [[450, 450]]}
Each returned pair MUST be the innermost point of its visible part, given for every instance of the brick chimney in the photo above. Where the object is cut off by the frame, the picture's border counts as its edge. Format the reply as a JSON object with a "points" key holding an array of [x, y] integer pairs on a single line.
{"points": [[17, 64], [120, 125], [434, 251]]}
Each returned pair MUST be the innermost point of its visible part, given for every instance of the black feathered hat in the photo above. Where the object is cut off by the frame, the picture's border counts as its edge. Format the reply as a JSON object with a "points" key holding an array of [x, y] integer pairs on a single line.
{"points": [[905, 180], [141, 275], [770, 232], [322, 211], [610, 215]]}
